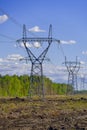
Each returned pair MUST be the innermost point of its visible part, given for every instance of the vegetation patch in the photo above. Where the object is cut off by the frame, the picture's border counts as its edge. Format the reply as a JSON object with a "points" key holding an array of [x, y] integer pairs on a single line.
{"points": [[56, 112]]}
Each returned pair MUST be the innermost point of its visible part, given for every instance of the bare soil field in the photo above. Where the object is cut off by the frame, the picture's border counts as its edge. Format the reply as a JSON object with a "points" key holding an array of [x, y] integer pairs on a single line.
{"points": [[51, 113]]}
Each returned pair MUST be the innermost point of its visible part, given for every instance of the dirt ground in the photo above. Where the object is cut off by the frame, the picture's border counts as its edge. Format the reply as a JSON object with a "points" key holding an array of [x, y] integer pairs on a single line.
{"points": [[51, 113]]}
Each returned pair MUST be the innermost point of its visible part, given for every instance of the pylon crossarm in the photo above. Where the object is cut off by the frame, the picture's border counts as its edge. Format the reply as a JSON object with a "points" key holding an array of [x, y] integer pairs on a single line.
{"points": [[38, 39]]}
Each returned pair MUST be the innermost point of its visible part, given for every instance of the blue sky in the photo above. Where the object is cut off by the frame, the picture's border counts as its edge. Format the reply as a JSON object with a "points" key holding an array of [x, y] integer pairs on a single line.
{"points": [[69, 22]]}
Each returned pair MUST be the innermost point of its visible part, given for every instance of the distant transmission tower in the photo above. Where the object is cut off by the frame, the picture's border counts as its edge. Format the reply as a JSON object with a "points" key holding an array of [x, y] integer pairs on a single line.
{"points": [[36, 76], [72, 68], [82, 81]]}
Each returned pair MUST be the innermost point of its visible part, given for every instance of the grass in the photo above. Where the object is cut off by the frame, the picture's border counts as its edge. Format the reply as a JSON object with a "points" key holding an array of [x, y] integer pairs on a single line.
{"points": [[50, 103], [50, 110]]}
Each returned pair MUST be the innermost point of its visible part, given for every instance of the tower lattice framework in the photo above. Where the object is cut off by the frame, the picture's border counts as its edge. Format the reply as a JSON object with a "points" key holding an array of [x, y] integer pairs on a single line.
{"points": [[72, 68], [36, 75]]}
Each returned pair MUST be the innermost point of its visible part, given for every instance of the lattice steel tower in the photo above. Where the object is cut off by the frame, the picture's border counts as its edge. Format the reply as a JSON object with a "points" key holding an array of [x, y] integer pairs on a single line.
{"points": [[82, 81], [36, 76], [72, 68]]}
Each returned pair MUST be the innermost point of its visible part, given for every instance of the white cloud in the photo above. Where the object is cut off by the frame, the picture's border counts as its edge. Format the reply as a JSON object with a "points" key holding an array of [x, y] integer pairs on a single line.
{"points": [[12, 65], [3, 18], [27, 44], [68, 42], [1, 60], [36, 29], [84, 52], [56, 73], [37, 44], [14, 57], [82, 62]]}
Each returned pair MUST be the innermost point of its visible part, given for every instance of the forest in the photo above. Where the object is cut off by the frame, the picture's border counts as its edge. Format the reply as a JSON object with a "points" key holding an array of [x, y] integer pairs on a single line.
{"points": [[12, 86]]}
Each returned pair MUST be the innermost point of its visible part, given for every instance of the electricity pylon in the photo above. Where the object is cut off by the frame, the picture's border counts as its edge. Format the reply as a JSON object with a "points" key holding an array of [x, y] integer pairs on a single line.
{"points": [[36, 76], [72, 68], [82, 81]]}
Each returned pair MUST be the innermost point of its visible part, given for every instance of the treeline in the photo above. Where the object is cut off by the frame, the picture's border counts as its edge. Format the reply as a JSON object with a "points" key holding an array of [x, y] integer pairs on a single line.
{"points": [[13, 86], [81, 92]]}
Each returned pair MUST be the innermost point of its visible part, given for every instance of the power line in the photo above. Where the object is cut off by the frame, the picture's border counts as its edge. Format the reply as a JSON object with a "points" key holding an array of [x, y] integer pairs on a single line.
{"points": [[11, 39], [12, 19], [16, 22], [8, 37], [61, 48], [7, 41]]}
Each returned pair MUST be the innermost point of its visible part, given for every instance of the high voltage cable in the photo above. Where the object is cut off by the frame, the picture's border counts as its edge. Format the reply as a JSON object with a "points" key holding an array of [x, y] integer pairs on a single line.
{"points": [[15, 21], [61, 48], [7, 41], [62, 54], [8, 37]]}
